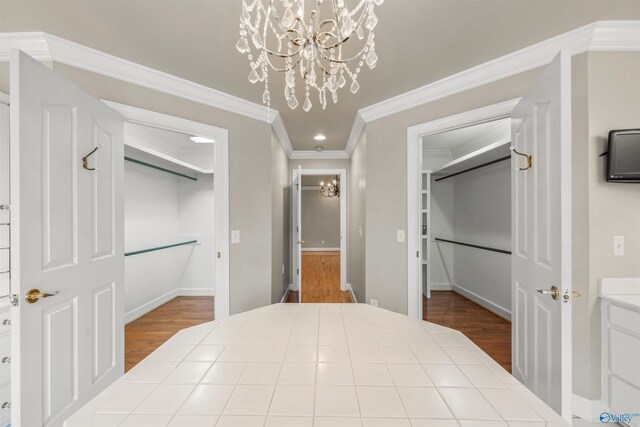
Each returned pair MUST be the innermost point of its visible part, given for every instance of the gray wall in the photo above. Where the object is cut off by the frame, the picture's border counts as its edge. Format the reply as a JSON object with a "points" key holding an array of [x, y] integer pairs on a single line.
{"points": [[280, 214], [612, 102], [320, 220], [356, 274], [482, 215], [386, 201], [250, 189]]}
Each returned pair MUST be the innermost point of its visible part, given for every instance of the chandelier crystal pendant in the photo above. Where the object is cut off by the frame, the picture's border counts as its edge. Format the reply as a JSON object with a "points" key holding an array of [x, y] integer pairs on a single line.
{"points": [[332, 189], [315, 48]]}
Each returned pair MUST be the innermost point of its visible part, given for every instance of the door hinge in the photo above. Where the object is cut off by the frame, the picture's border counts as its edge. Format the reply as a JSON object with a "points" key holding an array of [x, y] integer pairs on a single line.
{"points": [[417, 254], [297, 229], [14, 299], [5, 207], [219, 254], [298, 271]]}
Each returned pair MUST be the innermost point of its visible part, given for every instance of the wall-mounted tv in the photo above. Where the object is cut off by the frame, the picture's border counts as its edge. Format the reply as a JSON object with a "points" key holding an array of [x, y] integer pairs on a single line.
{"points": [[624, 156]]}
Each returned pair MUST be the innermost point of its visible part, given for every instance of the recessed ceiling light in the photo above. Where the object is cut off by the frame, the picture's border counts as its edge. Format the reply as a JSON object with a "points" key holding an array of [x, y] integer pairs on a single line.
{"points": [[202, 140], [319, 137]]}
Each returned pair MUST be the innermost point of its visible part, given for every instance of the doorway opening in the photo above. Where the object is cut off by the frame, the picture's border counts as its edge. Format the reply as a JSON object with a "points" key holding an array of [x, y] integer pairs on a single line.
{"points": [[466, 233], [172, 217], [319, 229]]}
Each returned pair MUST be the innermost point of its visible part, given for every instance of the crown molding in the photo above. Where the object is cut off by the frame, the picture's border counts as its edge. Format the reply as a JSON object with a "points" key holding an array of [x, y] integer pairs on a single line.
{"points": [[47, 47], [314, 155], [356, 130], [599, 36], [281, 132]]}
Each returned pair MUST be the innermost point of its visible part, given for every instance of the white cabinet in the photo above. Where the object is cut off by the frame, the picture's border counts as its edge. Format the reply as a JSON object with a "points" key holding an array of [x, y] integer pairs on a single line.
{"points": [[621, 347]]}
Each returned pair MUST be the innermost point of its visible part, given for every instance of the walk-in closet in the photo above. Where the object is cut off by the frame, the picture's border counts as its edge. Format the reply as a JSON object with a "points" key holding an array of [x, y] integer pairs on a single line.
{"points": [[466, 214], [169, 217]]}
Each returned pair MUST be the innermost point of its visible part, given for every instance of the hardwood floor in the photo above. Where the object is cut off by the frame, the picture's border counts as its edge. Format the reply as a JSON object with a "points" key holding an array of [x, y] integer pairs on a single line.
{"points": [[321, 279], [489, 332], [144, 335]]}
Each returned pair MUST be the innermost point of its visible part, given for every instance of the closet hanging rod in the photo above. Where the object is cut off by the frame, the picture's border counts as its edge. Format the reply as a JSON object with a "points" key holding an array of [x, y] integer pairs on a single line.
{"points": [[486, 248], [149, 165], [474, 168], [159, 248]]}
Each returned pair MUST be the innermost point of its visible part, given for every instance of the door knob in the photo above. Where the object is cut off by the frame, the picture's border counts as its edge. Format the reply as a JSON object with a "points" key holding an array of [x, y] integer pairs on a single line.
{"points": [[35, 294], [554, 292], [300, 242]]}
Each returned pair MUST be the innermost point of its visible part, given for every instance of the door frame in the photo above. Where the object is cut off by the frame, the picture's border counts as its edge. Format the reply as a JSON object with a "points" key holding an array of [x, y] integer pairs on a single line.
{"points": [[415, 133], [299, 173], [220, 183]]}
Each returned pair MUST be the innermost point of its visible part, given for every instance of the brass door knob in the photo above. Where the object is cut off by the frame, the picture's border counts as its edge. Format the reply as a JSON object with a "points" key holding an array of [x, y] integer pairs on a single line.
{"points": [[554, 292], [300, 242], [35, 294]]}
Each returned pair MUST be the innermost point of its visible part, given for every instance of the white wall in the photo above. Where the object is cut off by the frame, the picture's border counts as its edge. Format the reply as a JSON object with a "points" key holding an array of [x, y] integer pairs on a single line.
{"points": [[320, 220], [162, 209], [482, 215]]}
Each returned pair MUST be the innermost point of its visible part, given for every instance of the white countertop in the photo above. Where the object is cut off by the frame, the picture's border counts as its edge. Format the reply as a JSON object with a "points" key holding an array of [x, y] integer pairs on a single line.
{"points": [[317, 365], [621, 291]]}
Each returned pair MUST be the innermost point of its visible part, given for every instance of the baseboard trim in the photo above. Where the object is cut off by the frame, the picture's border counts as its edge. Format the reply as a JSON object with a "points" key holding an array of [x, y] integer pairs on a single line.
{"points": [[353, 296], [586, 409], [441, 286], [491, 306], [320, 249], [286, 294], [140, 311]]}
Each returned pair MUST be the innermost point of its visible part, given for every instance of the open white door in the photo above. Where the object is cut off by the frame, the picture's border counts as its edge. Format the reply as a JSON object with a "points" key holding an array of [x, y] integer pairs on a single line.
{"points": [[296, 204], [541, 238], [67, 237]]}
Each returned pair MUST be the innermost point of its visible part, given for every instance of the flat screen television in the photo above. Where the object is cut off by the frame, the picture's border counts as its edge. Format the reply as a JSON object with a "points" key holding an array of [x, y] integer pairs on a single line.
{"points": [[623, 163]]}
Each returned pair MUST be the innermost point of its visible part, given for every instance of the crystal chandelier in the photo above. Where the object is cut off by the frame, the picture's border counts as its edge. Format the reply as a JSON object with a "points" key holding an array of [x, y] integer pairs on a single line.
{"points": [[319, 45], [332, 189]]}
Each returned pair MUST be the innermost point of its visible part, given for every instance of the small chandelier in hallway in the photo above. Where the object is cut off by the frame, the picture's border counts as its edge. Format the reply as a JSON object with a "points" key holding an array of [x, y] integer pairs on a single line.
{"points": [[281, 35], [332, 189]]}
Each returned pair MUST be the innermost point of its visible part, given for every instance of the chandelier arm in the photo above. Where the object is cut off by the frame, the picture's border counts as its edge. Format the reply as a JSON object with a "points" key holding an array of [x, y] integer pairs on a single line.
{"points": [[355, 28], [283, 70], [343, 61]]}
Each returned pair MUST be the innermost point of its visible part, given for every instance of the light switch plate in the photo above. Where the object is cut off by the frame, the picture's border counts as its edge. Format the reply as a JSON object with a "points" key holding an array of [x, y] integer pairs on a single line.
{"points": [[400, 236], [618, 245], [235, 236]]}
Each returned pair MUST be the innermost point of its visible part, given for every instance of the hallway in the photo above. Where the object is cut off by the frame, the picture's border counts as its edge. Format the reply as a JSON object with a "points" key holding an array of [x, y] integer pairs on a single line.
{"points": [[321, 279]]}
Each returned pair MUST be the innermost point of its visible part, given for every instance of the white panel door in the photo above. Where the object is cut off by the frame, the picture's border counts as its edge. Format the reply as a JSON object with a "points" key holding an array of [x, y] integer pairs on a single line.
{"points": [[541, 237], [67, 229], [296, 190]]}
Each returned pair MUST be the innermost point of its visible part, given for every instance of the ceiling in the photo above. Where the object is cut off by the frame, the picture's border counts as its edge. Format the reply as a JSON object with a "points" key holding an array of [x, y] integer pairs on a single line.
{"points": [[417, 41]]}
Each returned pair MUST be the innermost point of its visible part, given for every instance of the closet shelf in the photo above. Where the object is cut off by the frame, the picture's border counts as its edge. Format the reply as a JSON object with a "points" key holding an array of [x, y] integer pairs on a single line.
{"points": [[162, 160], [486, 155], [159, 248]]}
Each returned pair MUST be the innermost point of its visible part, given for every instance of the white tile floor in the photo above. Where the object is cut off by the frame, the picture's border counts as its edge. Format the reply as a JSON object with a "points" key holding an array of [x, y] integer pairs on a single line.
{"points": [[317, 365]]}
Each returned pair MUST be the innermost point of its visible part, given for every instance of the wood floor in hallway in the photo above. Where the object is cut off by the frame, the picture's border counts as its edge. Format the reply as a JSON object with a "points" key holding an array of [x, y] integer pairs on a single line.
{"points": [[321, 279], [489, 332], [144, 335]]}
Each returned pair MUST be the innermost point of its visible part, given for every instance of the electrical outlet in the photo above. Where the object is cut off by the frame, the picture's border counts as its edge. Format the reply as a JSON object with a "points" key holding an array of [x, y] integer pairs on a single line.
{"points": [[618, 245], [400, 236], [360, 231], [235, 236], [374, 302], [282, 269]]}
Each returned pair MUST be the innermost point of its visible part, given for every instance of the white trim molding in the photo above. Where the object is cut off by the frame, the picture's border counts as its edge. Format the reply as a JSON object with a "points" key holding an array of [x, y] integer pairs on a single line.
{"points": [[281, 131], [286, 294], [489, 305], [47, 47], [586, 409], [325, 154], [598, 36], [356, 130], [353, 296], [320, 249]]}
